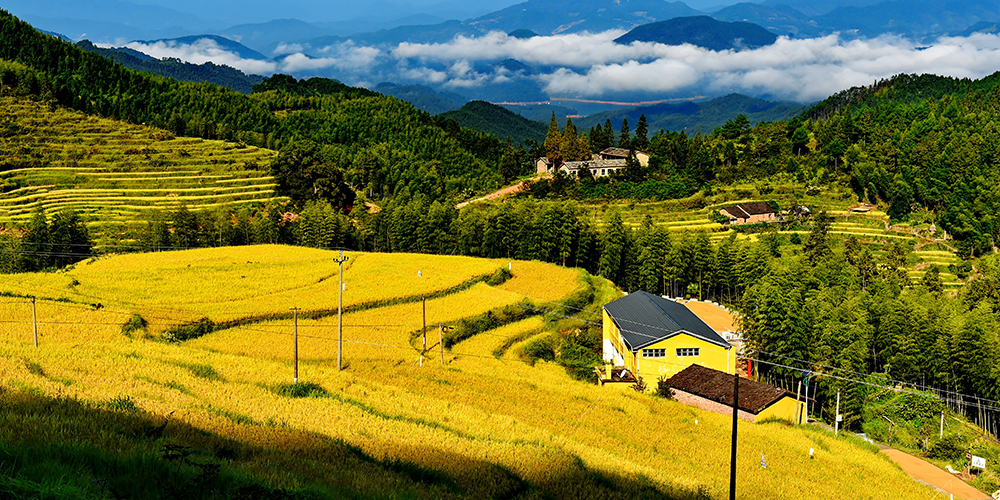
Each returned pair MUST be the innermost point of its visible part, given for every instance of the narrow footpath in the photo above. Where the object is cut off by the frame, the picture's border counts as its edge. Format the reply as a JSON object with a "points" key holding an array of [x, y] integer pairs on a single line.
{"points": [[930, 474]]}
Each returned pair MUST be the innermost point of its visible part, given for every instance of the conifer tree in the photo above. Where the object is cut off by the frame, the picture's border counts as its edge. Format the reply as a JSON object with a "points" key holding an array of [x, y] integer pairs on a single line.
{"points": [[553, 142], [640, 141], [624, 138]]}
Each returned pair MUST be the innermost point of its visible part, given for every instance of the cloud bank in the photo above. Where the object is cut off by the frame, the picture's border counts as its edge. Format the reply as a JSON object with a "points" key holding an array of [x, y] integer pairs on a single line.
{"points": [[592, 65]]}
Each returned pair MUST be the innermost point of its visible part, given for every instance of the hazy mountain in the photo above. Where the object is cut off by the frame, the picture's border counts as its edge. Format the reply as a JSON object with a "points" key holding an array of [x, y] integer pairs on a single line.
{"points": [[702, 31], [560, 16], [694, 117], [264, 37], [224, 43], [986, 27], [210, 73], [915, 18], [423, 97], [780, 19], [501, 122]]}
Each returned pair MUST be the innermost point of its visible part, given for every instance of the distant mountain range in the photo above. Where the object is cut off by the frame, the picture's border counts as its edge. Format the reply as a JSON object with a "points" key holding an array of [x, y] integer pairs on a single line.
{"points": [[702, 31], [186, 72]]}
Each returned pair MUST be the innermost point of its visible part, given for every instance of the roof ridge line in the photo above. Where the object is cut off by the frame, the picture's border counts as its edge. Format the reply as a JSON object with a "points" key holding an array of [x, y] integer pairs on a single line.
{"points": [[648, 296]]}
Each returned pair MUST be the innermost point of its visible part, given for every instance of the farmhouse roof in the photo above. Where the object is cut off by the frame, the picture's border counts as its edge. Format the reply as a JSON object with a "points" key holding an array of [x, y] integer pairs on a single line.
{"points": [[717, 386], [622, 152], [576, 165], [745, 210], [644, 319]]}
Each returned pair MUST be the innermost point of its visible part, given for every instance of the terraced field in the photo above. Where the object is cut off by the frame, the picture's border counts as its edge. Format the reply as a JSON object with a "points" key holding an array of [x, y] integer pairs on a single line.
{"points": [[871, 228], [113, 171], [477, 426]]}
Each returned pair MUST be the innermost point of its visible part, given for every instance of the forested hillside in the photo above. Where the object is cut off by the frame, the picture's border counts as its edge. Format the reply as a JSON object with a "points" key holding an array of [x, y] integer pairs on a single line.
{"points": [[208, 72], [383, 146]]}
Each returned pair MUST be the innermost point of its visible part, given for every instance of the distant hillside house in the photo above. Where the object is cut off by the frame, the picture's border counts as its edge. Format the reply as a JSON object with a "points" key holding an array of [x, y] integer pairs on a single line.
{"points": [[622, 154], [598, 168], [712, 390], [749, 213], [650, 336], [603, 164]]}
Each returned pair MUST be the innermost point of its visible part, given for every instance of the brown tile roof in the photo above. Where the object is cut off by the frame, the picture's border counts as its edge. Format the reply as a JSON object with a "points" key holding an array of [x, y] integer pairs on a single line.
{"points": [[717, 386], [745, 210]]}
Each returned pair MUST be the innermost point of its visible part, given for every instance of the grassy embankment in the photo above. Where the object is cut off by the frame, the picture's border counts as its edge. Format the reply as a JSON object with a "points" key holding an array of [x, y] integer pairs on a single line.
{"points": [[85, 412]]}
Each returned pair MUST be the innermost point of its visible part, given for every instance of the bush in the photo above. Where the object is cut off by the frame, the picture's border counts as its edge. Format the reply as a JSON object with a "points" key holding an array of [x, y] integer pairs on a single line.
{"points": [[134, 324], [499, 277], [300, 390], [951, 447], [204, 326], [639, 385], [540, 349], [663, 388], [795, 239]]}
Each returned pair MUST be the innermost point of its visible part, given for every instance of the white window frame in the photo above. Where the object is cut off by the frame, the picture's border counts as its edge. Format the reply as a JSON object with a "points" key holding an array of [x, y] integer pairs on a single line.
{"points": [[685, 352], [654, 353]]}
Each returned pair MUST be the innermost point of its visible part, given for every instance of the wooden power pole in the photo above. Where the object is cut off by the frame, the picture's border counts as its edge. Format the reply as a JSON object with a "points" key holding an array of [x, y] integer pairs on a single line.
{"points": [[34, 321], [340, 314], [295, 315]]}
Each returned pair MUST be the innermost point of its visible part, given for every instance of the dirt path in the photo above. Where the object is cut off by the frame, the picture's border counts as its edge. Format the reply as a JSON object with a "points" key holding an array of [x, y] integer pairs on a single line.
{"points": [[496, 194], [929, 473]]}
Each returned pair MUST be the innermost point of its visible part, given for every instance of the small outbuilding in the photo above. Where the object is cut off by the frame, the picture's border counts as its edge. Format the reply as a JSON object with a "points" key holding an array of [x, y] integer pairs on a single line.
{"points": [[749, 213], [712, 390]]}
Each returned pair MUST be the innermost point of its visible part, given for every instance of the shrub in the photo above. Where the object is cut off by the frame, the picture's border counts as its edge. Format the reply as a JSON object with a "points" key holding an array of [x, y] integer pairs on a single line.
{"points": [[204, 326], [951, 447], [499, 277], [134, 324], [123, 404], [300, 390], [663, 388], [639, 385], [795, 239], [540, 349]]}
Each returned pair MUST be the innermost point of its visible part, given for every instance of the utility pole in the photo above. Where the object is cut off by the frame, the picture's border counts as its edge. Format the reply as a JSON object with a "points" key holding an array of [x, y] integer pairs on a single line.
{"points": [[340, 314], [836, 417], [441, 341], [34, 320], [295, 315], [423, 349], [798, 407], [736, 418], [941, 435]]}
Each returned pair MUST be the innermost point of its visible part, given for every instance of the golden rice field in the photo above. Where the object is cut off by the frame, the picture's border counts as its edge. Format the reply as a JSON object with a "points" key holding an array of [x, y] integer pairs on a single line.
{"points": [[485, 427], [111, 170]]}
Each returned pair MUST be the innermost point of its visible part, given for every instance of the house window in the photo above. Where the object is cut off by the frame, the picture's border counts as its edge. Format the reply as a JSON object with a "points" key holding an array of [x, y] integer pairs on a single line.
{"points": [[654, 353], [604, 171], [688, 351]]}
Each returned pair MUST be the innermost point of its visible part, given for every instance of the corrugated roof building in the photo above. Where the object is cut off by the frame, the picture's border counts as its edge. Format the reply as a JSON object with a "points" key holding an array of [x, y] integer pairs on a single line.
{"points": [[655, 337]]}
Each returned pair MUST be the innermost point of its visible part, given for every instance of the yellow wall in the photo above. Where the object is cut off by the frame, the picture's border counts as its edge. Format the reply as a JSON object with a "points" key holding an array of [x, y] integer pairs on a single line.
{"points": [[784, 409], [710, 355]]}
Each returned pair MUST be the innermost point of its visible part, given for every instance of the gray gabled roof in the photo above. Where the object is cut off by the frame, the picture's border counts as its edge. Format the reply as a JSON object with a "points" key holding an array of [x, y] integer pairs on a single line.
{"points": [[644, 319]]}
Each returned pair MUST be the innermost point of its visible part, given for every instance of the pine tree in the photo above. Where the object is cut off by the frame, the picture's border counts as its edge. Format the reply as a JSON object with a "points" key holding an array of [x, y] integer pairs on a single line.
{"points": [[640, 142], [553, 142], [624, 140]]}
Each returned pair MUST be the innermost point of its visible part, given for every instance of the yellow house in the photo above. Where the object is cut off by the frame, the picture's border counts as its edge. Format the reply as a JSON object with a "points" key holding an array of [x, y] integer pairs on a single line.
{"points": [[712, 390], [650, 337]]}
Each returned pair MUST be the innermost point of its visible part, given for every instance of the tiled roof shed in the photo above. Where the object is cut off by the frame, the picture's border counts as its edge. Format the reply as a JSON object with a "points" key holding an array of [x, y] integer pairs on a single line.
{"points": [[717, 386], [745, 210], [644, 319]]}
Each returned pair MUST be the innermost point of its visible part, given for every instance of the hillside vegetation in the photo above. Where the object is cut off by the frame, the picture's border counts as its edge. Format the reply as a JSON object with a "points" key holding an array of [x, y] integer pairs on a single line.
{"points": [[111, 172], [217, 416]]}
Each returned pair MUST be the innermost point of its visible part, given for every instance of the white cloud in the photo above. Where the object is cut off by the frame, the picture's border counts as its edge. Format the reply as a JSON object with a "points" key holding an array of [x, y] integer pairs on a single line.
{"points": [[592, 65], [288, 48], [803, 70], [202, 51], [345, 57]]}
